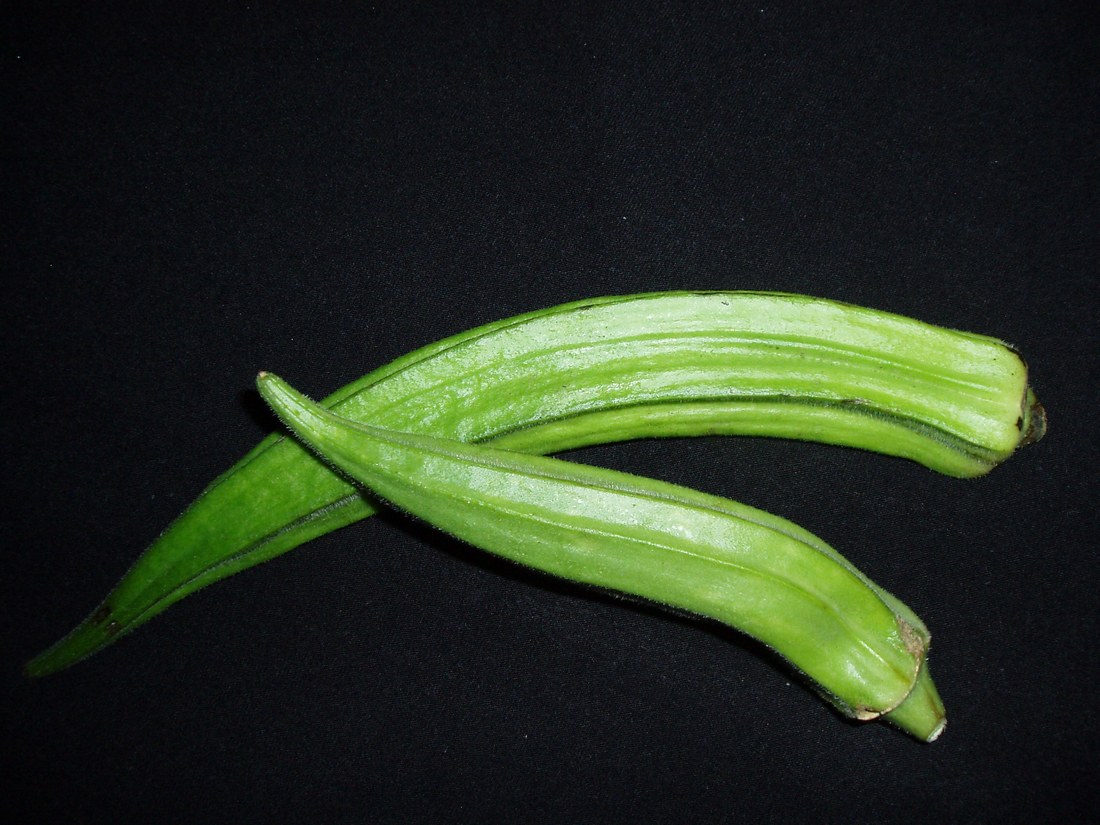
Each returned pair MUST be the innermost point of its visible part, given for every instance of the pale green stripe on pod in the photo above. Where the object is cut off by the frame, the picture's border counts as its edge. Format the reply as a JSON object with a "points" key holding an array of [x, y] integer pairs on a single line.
{"points": [[608, 369], [670, 545]]}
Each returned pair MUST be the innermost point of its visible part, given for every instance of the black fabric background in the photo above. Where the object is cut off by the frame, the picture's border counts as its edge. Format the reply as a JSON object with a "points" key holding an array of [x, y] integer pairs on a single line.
{"points": [[196, 192]]}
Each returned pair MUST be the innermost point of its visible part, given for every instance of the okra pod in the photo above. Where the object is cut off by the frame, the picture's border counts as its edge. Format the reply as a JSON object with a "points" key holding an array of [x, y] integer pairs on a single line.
{"points": [[664, 543]]}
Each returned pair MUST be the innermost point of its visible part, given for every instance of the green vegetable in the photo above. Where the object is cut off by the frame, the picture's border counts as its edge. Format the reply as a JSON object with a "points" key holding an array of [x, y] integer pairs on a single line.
{"points": [[674, 546], [609, 369]]}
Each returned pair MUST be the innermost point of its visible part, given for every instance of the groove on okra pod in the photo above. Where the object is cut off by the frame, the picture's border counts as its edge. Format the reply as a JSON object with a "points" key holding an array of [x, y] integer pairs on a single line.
{"points": [[598, 371], [668, 544]]}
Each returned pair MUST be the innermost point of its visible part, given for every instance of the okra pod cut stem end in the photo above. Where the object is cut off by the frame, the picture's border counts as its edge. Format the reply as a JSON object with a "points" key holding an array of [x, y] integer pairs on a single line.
{"points": [[1034, 424], [921, 714]]}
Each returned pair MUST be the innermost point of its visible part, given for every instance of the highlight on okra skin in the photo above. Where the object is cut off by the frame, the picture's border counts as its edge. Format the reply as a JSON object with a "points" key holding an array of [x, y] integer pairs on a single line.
{"points": [[865, 651], [599, 371]]}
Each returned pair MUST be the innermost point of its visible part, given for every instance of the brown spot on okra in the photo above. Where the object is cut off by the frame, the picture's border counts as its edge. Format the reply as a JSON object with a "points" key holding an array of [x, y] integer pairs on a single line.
{"points": [[914, 643], [102, 617]]}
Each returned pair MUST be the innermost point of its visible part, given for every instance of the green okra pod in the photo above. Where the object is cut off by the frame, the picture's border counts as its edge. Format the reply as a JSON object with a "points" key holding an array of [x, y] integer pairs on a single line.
{"points": [[603, 370], [661, 542]]}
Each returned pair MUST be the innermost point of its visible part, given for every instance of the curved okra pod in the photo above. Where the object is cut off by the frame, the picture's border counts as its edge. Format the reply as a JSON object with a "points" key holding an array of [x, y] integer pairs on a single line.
{"points": [[668, 544], [603, 370]]}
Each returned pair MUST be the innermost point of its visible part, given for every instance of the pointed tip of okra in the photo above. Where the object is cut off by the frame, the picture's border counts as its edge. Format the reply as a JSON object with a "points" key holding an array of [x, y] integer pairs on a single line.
{"points": [[289, 405], [921, 714], [273, 388], [90, 636], [266, 380]]}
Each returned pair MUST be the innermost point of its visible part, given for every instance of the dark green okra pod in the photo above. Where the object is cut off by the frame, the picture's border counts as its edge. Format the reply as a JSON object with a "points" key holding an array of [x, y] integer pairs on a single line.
{"points": [[664, 543]]}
